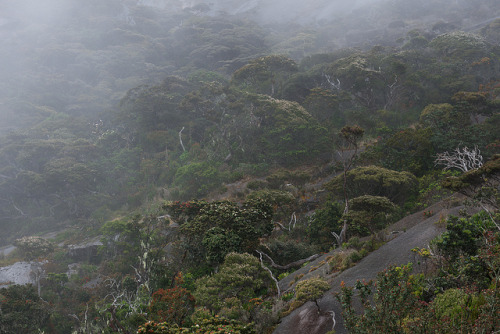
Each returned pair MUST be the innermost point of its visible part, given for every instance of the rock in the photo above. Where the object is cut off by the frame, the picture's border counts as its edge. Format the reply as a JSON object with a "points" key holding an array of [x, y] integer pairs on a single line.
{"points": [[18, 273], [85, 252]]}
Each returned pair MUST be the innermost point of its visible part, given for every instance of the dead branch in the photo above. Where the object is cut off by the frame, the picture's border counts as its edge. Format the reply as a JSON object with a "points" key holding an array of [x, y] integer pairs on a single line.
{"points": [[270, 273], [280, 225], [464, 160], [333, 319], [290, 265], [294, 219], [333, 84], [180, 140]]}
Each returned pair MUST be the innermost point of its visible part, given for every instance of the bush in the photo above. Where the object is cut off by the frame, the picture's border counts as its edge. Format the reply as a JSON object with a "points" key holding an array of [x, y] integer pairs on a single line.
{"points": [[376, 181], [324, 221], [311, 289], [240, 276]]}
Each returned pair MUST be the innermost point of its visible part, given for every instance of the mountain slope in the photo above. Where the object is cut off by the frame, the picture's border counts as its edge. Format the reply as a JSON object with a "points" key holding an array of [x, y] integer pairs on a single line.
{"points": [[306, 319]]}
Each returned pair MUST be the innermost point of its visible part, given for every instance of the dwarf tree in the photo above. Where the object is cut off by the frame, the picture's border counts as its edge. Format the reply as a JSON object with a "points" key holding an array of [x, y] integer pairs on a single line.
{"points": [[311, 289], [350, 137]]}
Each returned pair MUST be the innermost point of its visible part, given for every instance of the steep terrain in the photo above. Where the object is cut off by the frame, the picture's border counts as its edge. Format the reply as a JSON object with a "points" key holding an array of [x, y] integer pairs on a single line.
{"points": [[185, 155], [413, 231]]}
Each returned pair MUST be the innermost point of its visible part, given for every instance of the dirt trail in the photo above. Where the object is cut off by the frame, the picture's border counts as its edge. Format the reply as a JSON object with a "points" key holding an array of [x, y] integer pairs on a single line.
{"points": [[420, 230]]}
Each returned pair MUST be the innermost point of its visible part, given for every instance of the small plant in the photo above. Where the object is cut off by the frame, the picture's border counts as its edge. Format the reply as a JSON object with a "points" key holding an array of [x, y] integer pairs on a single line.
{"points": [[283, 275], [428, 213], [299, 276], [256, 184], [313, 268], [287, 296], [311, 289], [355, 257]]}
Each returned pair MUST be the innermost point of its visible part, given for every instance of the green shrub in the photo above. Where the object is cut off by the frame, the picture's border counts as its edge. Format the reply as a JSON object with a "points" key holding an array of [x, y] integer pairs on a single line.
{"points": [[311, 289]]}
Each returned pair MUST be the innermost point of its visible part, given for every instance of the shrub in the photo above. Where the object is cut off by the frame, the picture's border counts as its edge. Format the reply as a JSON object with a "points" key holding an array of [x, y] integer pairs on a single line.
{"points": [[311, 289]]}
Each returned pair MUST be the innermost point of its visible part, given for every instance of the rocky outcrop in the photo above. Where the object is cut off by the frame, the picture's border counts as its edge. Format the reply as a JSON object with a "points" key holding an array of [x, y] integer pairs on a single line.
{"points": [[306, 319], [18, 273], [86, 252]]}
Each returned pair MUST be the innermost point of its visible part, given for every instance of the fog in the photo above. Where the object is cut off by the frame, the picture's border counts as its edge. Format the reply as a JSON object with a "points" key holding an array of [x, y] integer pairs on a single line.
{"points": [[270, 112], [80, 57]]}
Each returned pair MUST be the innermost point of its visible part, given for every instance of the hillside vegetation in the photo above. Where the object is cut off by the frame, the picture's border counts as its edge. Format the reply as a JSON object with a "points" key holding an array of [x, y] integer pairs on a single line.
{"points": [[212, 156]]}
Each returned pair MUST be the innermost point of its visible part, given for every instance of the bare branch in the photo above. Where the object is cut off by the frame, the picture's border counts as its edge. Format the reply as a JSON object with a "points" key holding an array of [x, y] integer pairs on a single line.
{"points": [[290, 265], [280, 225], [294, 219], [464, 160], [19, 210], [333, 84], [270, 273], [180, 140], [333, 319]]}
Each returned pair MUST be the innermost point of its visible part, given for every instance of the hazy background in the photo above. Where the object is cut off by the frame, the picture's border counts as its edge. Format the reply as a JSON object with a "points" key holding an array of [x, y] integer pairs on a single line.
{"points": [[80, 57]]}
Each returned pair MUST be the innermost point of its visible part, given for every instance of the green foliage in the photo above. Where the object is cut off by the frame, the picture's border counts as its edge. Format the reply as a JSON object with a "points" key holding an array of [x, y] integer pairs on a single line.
{"points": [[34, 247], [401, 302], [277, 198], [172, 305], [459, 44], [431, 188], [462, 236], [218, 228], [82, 165], [287, 134], [147, 108], [376, 181], [393, 300], [454, 305], [197, 179], [256, 184], [22, 310], [265, 75], [368, 214], [216, 325], [458, 124], [324, 221], [278, 179], [283, 202], [121, 237], [479, 184], [240, 276], [287, 251], [311, 289], [407, 150], [324, 106]]}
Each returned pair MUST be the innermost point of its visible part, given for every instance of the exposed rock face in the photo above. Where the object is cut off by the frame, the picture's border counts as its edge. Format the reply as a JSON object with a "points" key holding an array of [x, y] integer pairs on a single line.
{"points": [[25, 272], [85, 252], [306, 319], [18, 273]]}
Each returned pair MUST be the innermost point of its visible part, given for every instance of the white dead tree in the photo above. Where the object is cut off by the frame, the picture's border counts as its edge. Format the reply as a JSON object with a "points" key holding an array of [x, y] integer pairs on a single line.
{"points": [[335, 85], [462, 159], [180, 140], [270, 273]]}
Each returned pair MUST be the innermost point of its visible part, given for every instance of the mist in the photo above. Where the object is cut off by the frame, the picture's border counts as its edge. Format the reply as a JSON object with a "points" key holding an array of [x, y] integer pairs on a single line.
{"points": [[81, 57]]}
